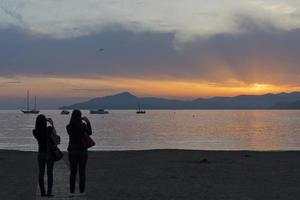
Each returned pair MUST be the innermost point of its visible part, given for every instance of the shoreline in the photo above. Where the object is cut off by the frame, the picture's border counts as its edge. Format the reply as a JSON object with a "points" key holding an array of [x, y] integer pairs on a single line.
{"points": [[168, 174], [145, 150]]}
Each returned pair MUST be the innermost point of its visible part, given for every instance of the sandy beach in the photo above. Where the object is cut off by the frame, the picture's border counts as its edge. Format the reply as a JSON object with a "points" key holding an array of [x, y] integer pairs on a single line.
{"points": [[168, 174], [18, 175]]}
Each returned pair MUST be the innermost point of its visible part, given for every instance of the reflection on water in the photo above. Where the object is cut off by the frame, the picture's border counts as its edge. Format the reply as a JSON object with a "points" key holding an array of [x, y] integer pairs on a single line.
{"points": [[196, 129]]}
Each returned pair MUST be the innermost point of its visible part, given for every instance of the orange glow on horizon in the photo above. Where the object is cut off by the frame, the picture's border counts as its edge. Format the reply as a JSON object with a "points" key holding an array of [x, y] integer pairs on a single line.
{"points": [[61, 87]]}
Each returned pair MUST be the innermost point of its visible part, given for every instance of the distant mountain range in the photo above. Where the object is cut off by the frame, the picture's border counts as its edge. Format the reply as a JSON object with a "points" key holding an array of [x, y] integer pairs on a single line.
{"points": [[287, 105], [126, 100]]}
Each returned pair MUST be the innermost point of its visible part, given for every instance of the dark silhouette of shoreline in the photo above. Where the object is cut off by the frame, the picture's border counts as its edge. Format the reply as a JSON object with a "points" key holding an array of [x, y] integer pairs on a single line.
{"points": [[126, 100]]}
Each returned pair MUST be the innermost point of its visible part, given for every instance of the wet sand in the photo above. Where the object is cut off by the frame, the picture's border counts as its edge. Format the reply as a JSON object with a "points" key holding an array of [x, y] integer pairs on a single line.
{"points": [[168, 174]]}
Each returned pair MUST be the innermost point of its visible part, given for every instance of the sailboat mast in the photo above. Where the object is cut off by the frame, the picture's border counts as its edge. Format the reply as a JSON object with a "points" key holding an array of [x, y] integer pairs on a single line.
{"points": [[35, 103], [27, 99]]}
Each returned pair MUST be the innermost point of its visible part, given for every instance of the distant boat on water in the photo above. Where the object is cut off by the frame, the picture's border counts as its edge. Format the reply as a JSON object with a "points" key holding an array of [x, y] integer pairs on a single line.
{"points": [[140, 111], [28, 110], [65, 112], [99, 111]]}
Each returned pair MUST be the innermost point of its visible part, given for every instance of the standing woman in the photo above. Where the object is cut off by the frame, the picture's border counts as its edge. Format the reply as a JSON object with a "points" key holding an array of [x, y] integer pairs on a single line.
{"points": [[42, 134], [78, 154]]}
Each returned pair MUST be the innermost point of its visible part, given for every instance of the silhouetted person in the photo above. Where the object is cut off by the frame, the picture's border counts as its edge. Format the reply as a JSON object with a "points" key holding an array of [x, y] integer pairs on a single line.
{"points": [[42, 134], [78, 154]]}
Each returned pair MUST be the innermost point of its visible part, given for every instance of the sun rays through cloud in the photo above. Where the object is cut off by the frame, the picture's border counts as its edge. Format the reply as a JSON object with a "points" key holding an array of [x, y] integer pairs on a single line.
{"points": [[179, 49]]}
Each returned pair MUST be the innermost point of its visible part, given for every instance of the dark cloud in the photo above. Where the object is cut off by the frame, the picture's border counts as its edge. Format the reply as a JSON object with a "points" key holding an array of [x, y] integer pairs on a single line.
{"points": [[124, 53], [261, 53]]}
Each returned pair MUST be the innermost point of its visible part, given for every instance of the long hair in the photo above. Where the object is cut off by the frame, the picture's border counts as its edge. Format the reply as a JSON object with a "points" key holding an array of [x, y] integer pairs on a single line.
{"points": [[41, 124], [75, 118]]}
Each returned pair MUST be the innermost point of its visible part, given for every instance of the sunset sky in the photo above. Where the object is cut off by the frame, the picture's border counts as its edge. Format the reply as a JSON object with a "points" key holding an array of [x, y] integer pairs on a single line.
{"points": [[66, 51]]}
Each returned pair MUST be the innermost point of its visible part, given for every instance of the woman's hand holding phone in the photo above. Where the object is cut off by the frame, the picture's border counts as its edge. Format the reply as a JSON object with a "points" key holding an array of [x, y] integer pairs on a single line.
{"points": [[50, 121], [85, 119]]}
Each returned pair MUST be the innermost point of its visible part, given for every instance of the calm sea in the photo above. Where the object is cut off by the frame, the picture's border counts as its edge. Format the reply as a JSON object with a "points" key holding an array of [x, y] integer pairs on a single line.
{"points": [[195, 129]]}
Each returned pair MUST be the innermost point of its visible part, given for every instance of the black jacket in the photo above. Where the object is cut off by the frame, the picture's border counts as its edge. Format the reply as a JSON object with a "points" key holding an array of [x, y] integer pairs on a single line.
{"points": [[42, 139], [76, 133]]}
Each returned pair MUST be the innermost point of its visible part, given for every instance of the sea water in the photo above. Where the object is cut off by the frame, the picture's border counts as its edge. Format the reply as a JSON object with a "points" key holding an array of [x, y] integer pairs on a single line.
{"points": [[166, 129]]}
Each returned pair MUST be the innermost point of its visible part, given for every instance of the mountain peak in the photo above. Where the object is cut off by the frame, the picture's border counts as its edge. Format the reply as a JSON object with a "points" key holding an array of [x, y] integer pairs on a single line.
{"points": [[124, 94]]}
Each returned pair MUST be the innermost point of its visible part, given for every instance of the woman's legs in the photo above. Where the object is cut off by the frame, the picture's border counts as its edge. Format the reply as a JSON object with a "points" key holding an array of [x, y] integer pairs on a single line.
{"points": [[42, 164], [82, 166], [73, 159], [50, 165]]}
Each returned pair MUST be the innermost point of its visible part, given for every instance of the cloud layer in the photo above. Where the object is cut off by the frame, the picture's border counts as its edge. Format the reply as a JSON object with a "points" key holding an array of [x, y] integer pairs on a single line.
{"points": [[261, 56], [186, 19], [201, 44]]}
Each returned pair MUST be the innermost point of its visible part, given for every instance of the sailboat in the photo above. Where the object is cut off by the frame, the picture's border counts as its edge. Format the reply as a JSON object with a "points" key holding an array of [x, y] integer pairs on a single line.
{"points": [[140, 111], [28, 110]]}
